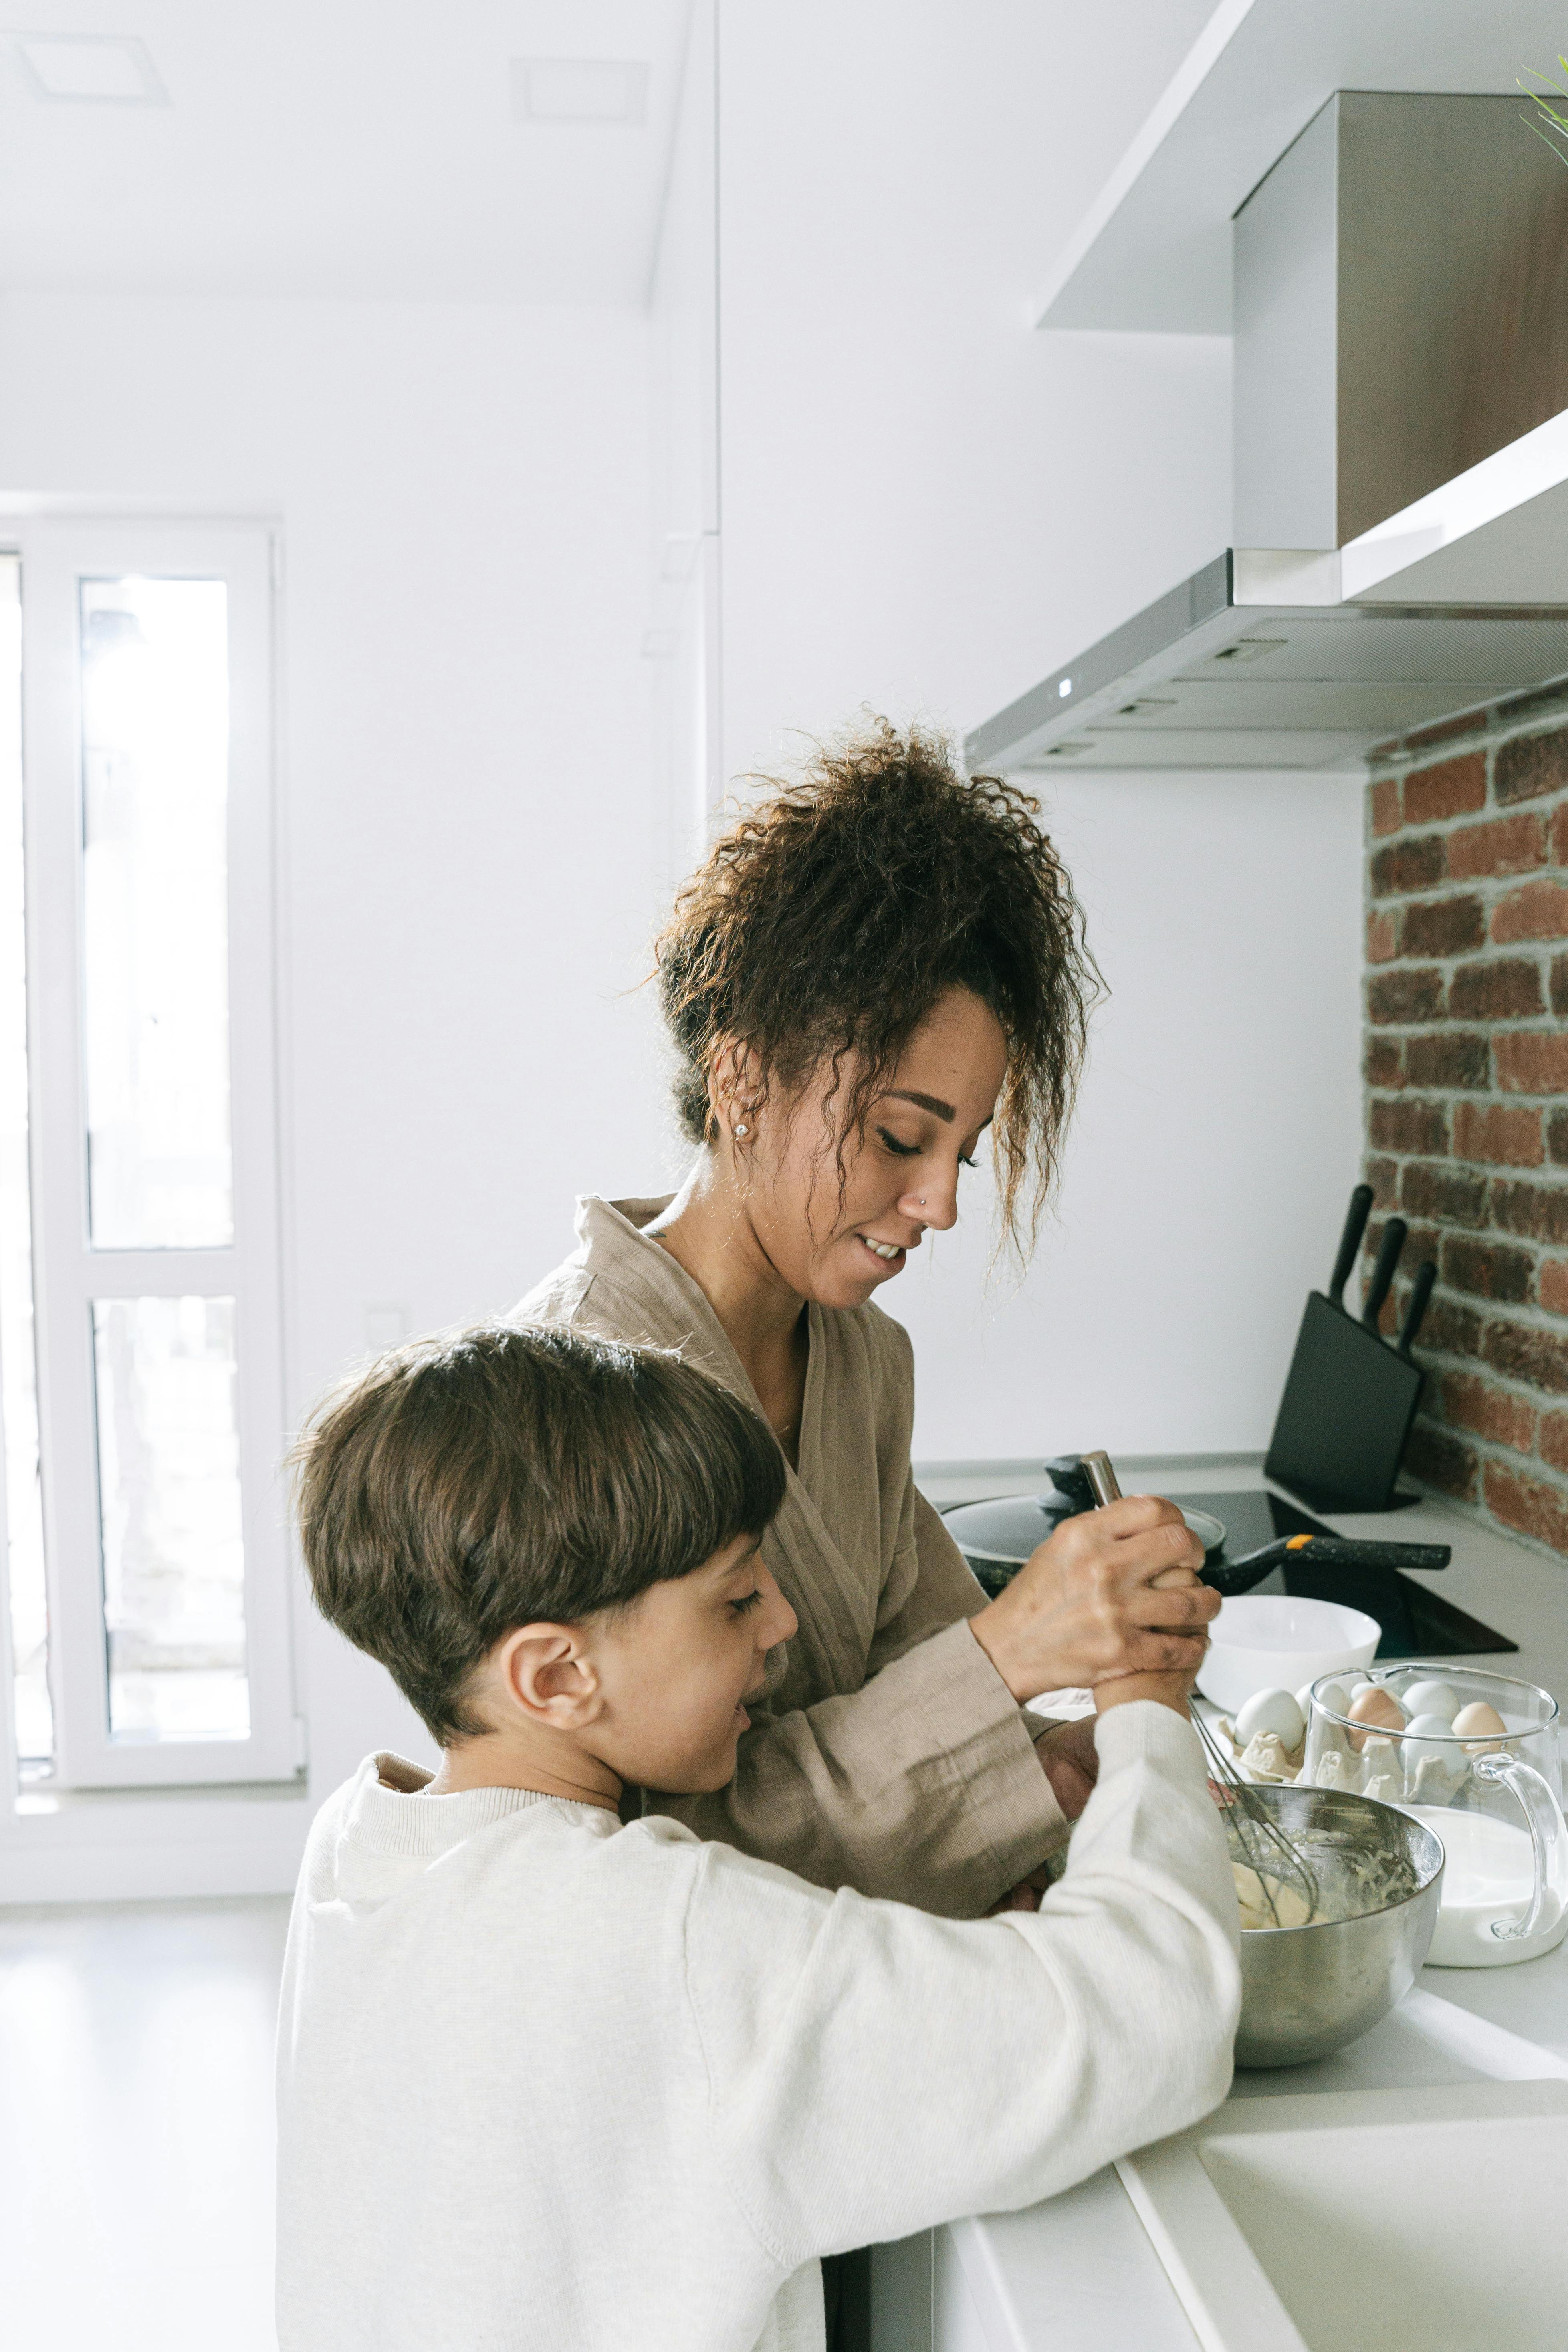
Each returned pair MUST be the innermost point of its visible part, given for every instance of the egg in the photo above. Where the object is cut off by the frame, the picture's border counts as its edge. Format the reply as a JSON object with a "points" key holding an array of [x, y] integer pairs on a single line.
{"points": [[1430, 1737], [1479, 1725], [1269, 1710], [1335, 1696], [1375, 1708], [1430, 1699]]}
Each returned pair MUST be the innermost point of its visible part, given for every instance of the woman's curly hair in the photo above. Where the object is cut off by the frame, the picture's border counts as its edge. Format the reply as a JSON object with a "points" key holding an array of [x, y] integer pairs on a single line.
{"points": [[826, 923]]}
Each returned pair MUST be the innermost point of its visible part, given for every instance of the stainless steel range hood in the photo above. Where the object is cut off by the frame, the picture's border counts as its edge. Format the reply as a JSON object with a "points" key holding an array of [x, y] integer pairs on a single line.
{"points": [[1401, 391], [1216, 675]]}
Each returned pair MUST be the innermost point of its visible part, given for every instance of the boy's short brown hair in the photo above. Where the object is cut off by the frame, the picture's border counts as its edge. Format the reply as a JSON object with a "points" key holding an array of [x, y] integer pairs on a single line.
{"points": [[485, 1479]]}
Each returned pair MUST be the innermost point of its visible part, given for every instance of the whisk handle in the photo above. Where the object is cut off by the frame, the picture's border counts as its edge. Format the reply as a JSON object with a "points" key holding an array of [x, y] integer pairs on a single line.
{"points": [[1103, 1481]]}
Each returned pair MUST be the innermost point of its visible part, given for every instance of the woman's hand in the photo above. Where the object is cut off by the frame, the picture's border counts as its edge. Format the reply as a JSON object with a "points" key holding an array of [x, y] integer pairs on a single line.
{"points": [[1165, 1690], [1085, 1606]]}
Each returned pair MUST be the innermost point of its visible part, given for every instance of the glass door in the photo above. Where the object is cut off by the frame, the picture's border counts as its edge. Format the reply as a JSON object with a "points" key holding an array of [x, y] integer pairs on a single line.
{"points": [[147, 758]]}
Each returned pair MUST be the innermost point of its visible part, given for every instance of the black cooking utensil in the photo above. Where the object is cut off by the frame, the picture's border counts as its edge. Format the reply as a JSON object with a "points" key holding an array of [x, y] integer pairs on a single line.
{"points": [[1417, 1619], [1349, 1397], [1070, 1482], [1356, 1551], [1320, 1551], [1233, 1576]]}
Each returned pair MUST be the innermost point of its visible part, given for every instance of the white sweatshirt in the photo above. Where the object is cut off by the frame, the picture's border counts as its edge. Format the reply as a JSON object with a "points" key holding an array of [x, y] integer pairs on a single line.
{"points": [[545, 2081]]}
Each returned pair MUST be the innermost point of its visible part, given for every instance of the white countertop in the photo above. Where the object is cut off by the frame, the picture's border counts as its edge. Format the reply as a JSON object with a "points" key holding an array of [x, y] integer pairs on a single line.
{"points": [[1078, 2274]]}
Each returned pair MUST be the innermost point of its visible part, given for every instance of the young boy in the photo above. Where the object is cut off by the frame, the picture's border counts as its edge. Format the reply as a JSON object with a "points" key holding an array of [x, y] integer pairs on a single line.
{"points": [[549, 2082]]}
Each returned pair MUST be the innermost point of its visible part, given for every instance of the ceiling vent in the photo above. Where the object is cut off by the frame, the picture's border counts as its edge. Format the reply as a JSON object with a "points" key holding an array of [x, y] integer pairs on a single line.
{"points": [[580, 93], [88, 70]]}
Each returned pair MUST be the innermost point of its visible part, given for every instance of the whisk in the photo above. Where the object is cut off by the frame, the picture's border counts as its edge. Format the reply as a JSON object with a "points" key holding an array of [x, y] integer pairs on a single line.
{"points": [[1252, 1832]]}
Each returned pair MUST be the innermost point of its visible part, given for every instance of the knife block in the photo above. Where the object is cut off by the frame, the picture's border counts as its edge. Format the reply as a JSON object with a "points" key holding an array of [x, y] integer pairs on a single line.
{"points": [[1349, 1401]]}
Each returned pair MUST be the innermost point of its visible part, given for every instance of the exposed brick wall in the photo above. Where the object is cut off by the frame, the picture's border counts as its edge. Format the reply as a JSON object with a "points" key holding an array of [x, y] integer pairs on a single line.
{"points": [[1467, 1094]]}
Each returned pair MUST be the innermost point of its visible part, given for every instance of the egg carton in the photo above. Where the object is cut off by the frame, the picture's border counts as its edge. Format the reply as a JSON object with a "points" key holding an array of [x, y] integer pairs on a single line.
{"points": [[1265, 1760], [1377, 1771], [1380, 1769]]}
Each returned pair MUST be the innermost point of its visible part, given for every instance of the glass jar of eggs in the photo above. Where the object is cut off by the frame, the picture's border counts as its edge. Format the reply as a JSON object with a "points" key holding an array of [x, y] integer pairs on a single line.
{"points": [[1475, 1756]]}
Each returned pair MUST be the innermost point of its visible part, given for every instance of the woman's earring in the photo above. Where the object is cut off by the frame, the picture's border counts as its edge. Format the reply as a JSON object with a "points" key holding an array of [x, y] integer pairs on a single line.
{"points": [[740, 1127]]}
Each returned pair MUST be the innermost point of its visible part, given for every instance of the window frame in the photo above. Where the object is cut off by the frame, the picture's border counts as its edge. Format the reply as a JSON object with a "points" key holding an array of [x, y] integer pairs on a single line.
{"points": [[56, 554]]}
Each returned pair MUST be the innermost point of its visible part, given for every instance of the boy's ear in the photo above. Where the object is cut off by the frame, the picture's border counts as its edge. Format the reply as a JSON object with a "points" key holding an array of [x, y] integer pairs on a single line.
{"points": [[548, 1674]]}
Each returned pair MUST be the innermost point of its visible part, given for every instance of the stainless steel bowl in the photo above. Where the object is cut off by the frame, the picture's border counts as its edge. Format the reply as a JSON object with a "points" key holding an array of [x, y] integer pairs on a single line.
{"points": [[1306, 1992]]}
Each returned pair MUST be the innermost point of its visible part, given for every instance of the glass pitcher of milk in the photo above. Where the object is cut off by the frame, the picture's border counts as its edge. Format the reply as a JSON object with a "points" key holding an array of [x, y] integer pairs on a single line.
{"points": [[1475, 1756]]}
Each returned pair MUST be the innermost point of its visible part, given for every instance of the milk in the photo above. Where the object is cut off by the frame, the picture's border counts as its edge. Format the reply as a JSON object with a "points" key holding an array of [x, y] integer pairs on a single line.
{"points": [[1488, 1874]]}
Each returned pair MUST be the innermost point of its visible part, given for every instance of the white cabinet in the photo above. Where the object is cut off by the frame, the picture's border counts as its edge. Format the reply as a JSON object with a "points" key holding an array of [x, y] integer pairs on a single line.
{"points": [[920, 2300]]}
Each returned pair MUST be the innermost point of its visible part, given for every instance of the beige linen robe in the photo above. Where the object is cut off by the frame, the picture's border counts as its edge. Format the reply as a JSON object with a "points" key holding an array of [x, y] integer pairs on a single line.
{"points": [[887, 1753]]}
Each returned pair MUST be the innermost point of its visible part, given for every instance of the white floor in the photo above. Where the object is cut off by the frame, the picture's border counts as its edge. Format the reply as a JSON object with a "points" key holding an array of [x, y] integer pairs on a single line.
{"points": [[136, 2134]]}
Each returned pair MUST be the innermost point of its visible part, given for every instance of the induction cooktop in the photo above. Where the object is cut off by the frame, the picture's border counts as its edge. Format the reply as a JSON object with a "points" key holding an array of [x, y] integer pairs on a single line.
{"points": [[1417, 1621]]}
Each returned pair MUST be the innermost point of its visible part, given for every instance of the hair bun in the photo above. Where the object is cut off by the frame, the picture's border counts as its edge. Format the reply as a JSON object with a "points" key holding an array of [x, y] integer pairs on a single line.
{"points": [[836, 911]]}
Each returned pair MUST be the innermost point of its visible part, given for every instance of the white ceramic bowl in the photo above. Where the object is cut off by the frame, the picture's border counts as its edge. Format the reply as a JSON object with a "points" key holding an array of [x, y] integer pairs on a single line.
{"points": [[1272, 1641]]}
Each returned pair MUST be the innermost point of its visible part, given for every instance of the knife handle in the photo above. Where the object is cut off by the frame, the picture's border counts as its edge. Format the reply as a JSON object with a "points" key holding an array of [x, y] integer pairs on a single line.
{"points": [[1381, 1282], [1350, 1241], [1420, 1292]]}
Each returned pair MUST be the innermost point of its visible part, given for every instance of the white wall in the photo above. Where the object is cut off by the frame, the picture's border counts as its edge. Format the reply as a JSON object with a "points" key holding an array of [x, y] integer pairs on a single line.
{"points": [[470, 844], [922, 506], [684, 608], [925, 508], [1216, 1141]]}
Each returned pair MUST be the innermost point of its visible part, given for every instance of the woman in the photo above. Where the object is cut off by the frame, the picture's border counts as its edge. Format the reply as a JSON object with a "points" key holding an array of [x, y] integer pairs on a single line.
{"points": [[876, 967]]}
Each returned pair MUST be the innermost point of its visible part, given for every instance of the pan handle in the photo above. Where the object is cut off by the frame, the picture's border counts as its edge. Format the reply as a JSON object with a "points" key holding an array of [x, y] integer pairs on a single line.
{"points": [[1381, 1281], [1350, 1241], [1230, 1576]]}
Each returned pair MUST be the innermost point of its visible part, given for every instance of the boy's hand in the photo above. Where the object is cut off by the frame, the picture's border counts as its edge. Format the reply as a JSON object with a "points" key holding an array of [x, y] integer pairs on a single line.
{"points": [[1086, 1605], [1070, 1763], [1166, 1690], [1070, 1760], [1024, 1896]]}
